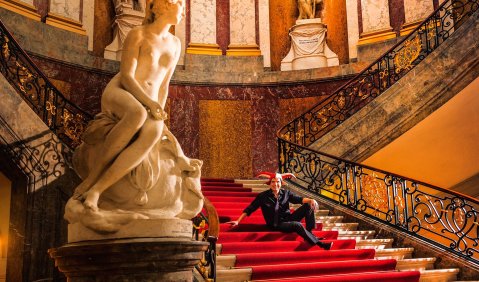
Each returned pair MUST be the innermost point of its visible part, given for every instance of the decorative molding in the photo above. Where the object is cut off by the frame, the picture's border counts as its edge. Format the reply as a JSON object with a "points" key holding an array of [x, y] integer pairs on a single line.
{"points": [[21, 8], [243, 50], [376, 36], [204, 49], [65, 23]]}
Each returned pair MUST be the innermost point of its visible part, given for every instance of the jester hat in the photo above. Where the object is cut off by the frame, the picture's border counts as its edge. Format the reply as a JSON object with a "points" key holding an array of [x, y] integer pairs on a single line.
{"points": [[271, 175]]}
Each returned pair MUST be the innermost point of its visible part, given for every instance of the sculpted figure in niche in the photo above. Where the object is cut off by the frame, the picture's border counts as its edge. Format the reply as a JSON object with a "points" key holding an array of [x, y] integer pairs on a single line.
{"points": [[128, 155], [307, 8]]}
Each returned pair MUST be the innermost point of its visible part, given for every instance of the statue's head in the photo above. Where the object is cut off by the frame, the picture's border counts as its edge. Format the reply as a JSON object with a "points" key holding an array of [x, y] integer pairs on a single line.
{"points": [[173, 10]]}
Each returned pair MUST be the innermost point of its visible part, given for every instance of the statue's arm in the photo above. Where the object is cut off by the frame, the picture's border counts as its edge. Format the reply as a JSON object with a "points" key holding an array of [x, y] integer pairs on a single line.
{"points": [[129, 64]]}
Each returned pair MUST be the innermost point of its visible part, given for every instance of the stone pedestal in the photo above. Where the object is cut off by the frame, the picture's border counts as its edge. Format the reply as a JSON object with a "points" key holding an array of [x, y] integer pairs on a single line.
{"points": [[308, 47], [128, 260]]}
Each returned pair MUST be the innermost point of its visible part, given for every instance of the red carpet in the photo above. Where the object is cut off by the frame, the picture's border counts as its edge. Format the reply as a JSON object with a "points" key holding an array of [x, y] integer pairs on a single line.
{"points": [[277, 256], [271, 236], [250, 259]]}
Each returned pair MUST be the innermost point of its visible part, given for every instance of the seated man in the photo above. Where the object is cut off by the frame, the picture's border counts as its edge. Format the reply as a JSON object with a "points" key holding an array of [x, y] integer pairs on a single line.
{"points": [[274, 204]]}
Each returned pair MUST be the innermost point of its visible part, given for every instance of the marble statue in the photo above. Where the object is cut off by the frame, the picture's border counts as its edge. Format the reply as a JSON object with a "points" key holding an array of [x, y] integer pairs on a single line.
{"points": [[129, 14], [308, 40], [307, 8], [132, 166]]}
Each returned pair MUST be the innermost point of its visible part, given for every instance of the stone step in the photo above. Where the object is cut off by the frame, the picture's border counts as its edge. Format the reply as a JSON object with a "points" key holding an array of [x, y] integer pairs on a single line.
{"points": [[377, 244], [329, 219], [357, 235], [417, 264], [394, 253], [340, 226], [234, 275], [439, 275], [319, 213], [225, 261]]}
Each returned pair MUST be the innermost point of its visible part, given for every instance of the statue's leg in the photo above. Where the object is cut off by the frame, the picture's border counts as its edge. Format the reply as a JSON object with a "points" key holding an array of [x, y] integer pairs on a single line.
{"points": [[132, 116], [127, 160]]}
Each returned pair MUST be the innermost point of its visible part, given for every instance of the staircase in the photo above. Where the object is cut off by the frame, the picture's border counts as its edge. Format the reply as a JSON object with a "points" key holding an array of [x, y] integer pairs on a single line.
{"points": [[250, 252]]}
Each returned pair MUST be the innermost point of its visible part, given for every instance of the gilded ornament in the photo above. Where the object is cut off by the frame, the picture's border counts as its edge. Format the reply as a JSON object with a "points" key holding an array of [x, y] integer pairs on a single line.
{"points": [[404, 58]]}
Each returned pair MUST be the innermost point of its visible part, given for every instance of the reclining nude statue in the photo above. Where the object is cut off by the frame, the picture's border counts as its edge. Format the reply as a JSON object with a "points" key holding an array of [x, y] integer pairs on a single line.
{"points": [[131, 165]]}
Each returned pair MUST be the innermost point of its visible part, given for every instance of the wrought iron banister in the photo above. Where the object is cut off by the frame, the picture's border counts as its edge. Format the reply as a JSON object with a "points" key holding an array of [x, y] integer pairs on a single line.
{"points": [[63, 117], [443, 217], [379, 75], [207, 266]]}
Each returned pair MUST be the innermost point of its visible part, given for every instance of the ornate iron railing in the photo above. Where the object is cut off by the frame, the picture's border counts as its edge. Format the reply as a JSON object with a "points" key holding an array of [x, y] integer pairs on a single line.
{"points": [[380, 75], [207, 266], [440, 216], [63, 117]]}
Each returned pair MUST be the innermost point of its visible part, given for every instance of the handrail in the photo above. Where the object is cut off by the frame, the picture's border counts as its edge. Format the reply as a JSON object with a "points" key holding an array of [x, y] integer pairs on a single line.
{"points": [[442, 217], [63, 117], [211, 236]]}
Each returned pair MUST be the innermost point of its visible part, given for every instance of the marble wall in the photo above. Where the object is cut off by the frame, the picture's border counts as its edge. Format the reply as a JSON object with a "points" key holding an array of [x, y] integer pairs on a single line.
{"points": [[203, 21], [353, 27], [416, 10], [67, 8], [242, 22], [375, 15], [264, 31]]}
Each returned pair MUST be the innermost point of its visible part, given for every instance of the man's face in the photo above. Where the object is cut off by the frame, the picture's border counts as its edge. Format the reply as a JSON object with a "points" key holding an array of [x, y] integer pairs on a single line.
{"points": [[275, 184]]}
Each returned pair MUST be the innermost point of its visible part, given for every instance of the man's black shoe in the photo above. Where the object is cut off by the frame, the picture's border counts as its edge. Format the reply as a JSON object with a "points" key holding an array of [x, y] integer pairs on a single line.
{"points": [[326, 246]]}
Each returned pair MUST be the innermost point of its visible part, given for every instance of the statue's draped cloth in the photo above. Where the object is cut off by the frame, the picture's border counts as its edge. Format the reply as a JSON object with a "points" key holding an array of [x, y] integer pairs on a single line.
{"points": [[159, 187]]}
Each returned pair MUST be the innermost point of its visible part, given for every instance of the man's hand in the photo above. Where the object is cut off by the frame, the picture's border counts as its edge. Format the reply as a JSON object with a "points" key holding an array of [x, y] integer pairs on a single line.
{"points": [[233, 223], [314, 205]]}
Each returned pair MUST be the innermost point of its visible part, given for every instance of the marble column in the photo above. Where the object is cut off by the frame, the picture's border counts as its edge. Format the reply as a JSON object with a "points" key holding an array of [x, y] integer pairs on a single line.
{"points": [[22, 7], [353, 28], [415, 12], [264, 32], [376, 23], [203, 28], [66, 14], [243, 29], [88, 20]]}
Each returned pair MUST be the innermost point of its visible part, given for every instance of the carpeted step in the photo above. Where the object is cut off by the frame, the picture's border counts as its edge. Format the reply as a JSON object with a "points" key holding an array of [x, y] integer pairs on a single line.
{"points": [[278, 246], [320, 268], [221, 189], [225, 227], [251, 259], [206, 179], [379, 276], [228, 237], [250, 219], [229, 194], [220, 184], [229, 205], [246, 200]]}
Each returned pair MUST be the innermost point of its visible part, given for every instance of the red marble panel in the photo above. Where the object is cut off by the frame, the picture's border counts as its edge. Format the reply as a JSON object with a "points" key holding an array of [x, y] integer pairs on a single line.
{"points": [[223, 24], [397, 15]]}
